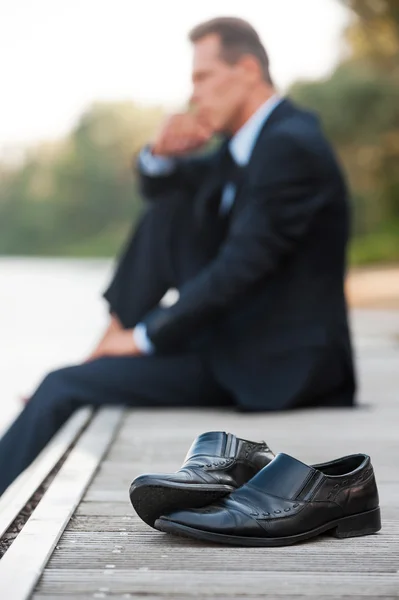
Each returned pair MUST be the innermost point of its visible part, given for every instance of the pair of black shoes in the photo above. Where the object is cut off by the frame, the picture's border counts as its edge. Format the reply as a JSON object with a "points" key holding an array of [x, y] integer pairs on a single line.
{"points": [[234, 491]]}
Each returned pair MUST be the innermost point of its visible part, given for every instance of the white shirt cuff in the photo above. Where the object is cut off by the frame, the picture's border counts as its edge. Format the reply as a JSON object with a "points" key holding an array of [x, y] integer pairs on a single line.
{"points": [[155, 166], [142, 340]]}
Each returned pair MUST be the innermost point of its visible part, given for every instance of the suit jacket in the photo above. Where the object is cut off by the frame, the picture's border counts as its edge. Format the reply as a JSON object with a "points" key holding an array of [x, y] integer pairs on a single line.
{"points": [[273, 295]]}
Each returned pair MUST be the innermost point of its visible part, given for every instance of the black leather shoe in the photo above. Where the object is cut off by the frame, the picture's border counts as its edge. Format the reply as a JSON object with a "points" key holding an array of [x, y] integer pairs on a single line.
{"points": [[287, 502], [216, 464]]}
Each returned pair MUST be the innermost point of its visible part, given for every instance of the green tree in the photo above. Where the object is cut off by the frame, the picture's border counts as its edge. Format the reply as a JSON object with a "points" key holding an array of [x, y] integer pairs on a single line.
{"points": [[374, 33], [359, 108], [78, 196]]}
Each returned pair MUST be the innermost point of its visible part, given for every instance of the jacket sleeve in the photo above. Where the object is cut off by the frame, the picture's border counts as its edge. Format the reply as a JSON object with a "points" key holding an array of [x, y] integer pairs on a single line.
{"points": [[182, 174], [285, 193]]}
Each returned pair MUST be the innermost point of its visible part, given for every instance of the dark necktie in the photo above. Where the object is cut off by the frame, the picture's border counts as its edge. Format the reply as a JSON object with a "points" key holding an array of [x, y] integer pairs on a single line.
{"points": [[231, 175], [227, 166], [226, 178]]}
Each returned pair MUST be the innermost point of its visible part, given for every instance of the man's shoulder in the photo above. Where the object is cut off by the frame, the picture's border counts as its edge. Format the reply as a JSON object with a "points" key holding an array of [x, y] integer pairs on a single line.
{"points": [[293, 122], [292, 128]]}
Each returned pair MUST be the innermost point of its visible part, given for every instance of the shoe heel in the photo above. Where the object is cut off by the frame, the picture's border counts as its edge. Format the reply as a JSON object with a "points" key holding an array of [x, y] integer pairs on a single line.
{"points": [[360, 524]]}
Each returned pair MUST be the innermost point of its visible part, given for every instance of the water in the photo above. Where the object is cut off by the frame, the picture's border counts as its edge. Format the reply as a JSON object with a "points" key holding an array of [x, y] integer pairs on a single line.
{"points": [[51, 315]]}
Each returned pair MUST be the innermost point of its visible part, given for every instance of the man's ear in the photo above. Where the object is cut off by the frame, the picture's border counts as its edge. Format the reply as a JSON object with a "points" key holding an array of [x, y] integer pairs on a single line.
{"points": [[251, 67]]}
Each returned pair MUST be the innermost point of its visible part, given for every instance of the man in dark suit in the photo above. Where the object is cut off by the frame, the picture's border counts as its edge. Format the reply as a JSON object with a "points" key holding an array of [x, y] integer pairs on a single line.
{"points": [[252, 235]]}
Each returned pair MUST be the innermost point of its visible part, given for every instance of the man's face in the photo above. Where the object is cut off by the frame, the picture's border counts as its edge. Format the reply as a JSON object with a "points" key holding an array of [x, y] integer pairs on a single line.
{"points": [[219, 89]]}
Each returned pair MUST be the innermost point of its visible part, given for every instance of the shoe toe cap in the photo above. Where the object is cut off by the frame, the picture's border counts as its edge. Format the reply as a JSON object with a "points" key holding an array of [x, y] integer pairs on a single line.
{"points": [[216, 519]]}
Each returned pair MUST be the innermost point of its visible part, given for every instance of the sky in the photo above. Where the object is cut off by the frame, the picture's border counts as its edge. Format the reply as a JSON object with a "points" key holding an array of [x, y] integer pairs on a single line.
{"points": [[58, 56]]}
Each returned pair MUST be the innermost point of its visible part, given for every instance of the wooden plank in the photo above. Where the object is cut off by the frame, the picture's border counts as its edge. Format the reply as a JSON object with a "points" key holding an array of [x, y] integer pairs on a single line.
{"points": [[18, 494], [103, 592], [187, 583], [22, 564], [118, 546]]}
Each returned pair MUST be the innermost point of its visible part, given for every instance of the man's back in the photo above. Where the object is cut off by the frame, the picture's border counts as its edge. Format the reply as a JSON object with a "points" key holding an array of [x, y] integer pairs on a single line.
{"points": [[293, 325]]}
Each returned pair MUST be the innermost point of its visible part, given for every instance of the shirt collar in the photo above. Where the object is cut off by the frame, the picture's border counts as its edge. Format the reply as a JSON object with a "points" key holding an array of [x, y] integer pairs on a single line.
{"points": [[243, 141]]}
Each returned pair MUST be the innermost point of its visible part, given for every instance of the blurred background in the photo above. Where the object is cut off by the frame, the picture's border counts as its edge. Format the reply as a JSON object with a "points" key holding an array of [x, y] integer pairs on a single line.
{"points": [[85, 83]]}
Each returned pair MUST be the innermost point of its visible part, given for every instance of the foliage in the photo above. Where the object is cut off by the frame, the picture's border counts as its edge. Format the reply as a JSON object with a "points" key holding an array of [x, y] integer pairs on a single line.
{"points": [[78, 196], [381, 245], [359, 108], [79, 191], [374, 33]]}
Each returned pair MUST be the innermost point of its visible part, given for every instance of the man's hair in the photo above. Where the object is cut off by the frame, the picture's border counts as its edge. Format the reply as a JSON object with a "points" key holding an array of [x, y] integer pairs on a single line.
{"points": [[237, 38]]}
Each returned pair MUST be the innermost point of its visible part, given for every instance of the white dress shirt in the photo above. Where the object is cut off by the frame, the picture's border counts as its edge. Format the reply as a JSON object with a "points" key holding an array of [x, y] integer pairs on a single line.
{"points": [[241, 146]]}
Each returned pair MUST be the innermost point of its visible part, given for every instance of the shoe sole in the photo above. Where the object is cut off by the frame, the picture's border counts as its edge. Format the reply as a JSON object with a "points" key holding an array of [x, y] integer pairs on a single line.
{"points": [[360, 524], [151, 500]]}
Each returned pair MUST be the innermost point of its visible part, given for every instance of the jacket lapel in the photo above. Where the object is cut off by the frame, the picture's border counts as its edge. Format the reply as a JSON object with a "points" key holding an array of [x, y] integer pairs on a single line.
{"points": [[280, 112], [208, 197]]}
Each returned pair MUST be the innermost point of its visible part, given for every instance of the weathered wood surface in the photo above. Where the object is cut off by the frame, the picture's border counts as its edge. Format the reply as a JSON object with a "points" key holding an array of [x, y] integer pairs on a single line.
{"points": [[107, 552], [23, 563], [22, 489]]}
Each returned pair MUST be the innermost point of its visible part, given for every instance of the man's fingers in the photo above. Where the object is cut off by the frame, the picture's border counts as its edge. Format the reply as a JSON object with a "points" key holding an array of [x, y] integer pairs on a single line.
{"points": [[181, 133]]}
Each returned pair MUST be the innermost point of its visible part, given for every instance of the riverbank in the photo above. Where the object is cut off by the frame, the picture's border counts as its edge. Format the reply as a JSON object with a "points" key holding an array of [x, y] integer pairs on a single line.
{"points": [[373, 287]]}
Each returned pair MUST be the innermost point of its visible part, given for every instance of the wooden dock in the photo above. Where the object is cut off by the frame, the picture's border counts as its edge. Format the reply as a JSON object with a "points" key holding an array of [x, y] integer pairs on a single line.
{"points": [[84, 541]]}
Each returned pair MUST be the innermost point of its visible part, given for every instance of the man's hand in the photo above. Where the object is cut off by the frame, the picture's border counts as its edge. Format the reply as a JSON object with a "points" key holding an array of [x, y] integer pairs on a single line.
{"points": [[179, 134], [117, 343], [113, 325]]}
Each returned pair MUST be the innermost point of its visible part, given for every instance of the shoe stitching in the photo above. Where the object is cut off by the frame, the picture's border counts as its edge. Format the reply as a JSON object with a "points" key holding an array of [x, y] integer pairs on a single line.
{"points": [[348, 482]]}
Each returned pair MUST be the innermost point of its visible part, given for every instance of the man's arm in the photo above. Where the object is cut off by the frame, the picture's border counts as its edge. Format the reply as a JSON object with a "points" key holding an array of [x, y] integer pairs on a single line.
{"points": [[163, 167], [286, 192], [157, 181]]}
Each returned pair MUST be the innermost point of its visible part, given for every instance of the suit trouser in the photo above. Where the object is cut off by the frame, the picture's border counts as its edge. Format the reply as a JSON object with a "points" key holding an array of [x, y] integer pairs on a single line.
{"points": [[163, 252]]}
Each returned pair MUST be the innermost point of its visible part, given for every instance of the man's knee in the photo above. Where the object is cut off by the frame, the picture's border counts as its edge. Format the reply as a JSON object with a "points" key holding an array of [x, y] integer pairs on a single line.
{"points": [[53, 392], [173, 207]]}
